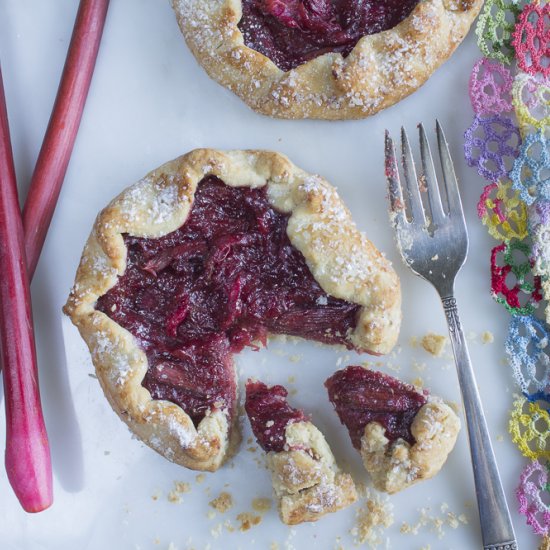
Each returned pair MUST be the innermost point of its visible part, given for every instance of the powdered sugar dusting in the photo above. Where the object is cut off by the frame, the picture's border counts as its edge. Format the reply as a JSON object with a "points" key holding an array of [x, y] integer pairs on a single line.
{"points": [[327, 231], [108, 352], [152, 200]]}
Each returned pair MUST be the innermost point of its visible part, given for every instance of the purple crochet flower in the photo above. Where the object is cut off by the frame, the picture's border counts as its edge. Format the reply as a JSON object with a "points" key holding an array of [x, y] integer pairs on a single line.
{"points": [[496, 146]]}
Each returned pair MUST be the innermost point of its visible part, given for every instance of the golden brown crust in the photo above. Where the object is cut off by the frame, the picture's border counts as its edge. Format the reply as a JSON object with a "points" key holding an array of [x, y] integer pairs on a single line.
{"points": [[308, 484], [396, 466], [381, 70], [342, 260]]}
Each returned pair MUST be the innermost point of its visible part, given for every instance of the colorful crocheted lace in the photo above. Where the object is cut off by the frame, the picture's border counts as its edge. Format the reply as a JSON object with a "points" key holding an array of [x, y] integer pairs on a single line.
{"points": [[509, 144]]}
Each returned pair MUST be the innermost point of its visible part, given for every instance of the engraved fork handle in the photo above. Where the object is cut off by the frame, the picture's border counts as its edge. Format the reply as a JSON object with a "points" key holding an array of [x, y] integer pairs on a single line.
{"points": [[496, 525]]}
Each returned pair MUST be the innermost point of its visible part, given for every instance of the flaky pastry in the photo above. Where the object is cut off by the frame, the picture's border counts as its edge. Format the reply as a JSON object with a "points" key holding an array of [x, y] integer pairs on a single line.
{"points": [[404, 434], [306, 479], [396, 465]]}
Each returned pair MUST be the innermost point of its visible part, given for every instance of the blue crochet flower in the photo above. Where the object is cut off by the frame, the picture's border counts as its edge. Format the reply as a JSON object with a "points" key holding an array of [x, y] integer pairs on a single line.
{"points": [[527, 348], [531, 167]]}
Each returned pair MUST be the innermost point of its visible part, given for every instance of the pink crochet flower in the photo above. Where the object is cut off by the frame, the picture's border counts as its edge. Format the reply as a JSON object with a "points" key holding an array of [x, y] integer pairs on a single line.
{"points": [[531, 39], [533, 483], [490, 88]]}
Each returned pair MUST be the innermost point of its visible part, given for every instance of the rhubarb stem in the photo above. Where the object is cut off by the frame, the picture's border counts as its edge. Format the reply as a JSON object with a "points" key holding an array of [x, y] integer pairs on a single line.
{"points": [[60, 136], [28, 462]]}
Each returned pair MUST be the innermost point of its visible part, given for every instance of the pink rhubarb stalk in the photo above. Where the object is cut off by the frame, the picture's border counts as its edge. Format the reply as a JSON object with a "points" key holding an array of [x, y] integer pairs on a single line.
{"points": [[60, 135], [27, 457], [28, 462]]}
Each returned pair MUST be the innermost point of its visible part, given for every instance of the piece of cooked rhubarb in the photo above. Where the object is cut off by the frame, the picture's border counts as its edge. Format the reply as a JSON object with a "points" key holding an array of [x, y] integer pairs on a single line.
{"points": [[306, 479], [404, 435], [27, 457], [58, 143]]}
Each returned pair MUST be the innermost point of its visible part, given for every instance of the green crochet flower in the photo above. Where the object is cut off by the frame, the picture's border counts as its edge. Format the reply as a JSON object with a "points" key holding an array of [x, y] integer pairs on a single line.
{"points": [[494, 29]]}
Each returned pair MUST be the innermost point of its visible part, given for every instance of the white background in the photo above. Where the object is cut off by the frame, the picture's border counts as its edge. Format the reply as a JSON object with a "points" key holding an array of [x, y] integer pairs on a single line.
{"points": [[149, 102]]}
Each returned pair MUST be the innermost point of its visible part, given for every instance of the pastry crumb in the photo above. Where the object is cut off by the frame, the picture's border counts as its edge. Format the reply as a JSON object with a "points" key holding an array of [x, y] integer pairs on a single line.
{"points": [[372, 520], [174, 498], [215, 532], [393, 367], [200, 478], [222, 503], [180, 487], [487, 337], [228, 526], [435, 523], [545, 544], [420, 367], [434, 343], [500, 438], [247, 521], [413, 342], [262, 505]]}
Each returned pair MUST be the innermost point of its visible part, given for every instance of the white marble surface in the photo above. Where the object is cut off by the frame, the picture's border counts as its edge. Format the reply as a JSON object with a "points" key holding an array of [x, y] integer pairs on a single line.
{"points": [[148, 103]]}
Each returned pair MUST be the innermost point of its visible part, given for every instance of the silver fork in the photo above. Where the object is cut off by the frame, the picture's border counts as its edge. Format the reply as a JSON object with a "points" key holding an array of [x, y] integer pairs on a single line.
{"points": [[435, 248]]}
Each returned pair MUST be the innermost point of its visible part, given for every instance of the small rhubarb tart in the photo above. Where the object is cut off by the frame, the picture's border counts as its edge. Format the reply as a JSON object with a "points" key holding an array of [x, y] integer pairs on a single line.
{"points": [[404, 435], [206, 255], [327, 59], [306, 479]]}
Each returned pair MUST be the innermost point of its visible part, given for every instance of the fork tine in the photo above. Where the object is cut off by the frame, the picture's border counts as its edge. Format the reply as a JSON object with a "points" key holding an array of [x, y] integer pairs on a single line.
{"points": [[411, 182], [430, 178], [397, 205], [449, 176]]}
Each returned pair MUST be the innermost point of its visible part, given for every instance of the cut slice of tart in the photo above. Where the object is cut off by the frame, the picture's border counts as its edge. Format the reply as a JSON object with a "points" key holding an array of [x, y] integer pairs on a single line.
{"points": [[206, 255], [404, 435], [306, 479], [328, 59]]}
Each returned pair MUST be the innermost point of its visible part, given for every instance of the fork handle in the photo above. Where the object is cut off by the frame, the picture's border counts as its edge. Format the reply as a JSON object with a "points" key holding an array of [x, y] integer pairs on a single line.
{"points": [[496, 524]]}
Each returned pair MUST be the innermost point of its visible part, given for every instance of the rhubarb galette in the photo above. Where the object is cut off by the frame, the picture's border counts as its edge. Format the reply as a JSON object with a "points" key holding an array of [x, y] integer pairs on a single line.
{"points": [[206, 255], [404, 435], [306, 479], [327, 59]]}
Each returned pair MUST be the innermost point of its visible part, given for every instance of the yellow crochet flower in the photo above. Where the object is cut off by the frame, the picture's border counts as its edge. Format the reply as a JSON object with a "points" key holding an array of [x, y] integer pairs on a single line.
{"points": [[503, 212], [530, 429], [531, 101]]}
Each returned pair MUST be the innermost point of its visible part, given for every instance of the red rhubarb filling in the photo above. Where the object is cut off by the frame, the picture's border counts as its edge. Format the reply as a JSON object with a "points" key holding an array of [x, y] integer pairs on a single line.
{"points": [[361, 396], [291, 32], [270, 414], [219, 283]]}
